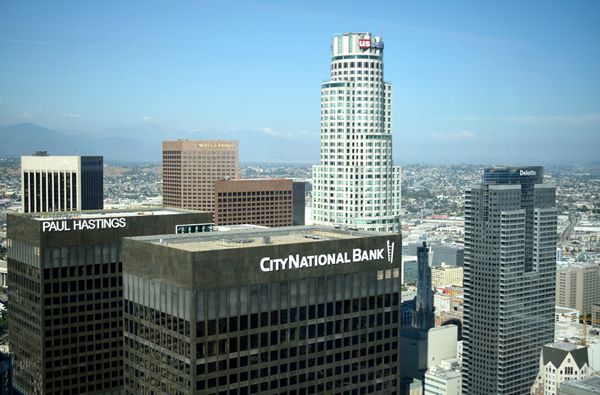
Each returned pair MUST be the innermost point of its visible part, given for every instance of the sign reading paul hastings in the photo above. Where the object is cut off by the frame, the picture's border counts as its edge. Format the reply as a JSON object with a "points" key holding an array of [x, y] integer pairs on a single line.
{"points": [[64, 225], [357, 255]]}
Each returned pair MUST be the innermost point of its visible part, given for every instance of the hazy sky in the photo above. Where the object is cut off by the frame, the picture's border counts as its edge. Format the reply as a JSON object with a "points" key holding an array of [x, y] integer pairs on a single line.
{"points": [[505, 81]]}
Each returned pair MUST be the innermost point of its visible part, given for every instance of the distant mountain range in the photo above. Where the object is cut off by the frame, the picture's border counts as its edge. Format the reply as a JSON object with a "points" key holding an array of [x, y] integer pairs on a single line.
{"points": [[255, 145]]}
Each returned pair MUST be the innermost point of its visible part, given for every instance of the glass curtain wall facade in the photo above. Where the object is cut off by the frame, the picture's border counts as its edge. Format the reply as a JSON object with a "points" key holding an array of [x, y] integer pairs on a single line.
{"points": [[509, 279]]}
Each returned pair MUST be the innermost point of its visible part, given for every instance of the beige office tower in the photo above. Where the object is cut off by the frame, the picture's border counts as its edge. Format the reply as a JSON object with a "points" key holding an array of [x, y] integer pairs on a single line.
{"points": [[190, 169], [578, 286]]}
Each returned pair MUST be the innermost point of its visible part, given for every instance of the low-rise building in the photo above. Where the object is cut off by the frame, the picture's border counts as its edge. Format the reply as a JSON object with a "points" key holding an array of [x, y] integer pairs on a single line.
{"points": [[566, 314], [560, 362], [445, 275], [588, 386], [266, 202], [445, 378]]}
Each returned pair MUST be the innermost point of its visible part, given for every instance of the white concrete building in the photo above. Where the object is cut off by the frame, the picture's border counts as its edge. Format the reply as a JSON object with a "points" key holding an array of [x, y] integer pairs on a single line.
{"points": [[566, 314], [444, 379], [356, 184], [560, 362]]}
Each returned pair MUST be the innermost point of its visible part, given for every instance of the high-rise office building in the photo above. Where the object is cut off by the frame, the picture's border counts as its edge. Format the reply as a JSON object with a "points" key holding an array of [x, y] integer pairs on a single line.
{"points": [[65, 289], [61, 183], [190, 168], [578, 286], [424, 318], [356, 184], [264, 202], [509, 279], [298, 310]]}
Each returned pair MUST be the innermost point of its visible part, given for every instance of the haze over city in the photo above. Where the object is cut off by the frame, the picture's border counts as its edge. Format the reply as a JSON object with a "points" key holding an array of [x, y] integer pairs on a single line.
{"points": [[468, 78]]}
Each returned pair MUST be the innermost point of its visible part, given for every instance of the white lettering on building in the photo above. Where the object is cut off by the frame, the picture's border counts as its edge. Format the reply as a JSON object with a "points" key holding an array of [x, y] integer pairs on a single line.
{"points": [[297, 261], [64, 225], [527, 172]]}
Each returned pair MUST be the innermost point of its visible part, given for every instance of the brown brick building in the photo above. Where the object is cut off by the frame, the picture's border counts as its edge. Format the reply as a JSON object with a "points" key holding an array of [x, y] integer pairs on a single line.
{"points": [[265, 202], [190, 168]]}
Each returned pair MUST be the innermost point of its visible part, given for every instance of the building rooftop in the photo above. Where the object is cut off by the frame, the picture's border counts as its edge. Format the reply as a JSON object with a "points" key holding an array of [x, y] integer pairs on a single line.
{"points": [[591, 384], [246, 238], [142, 211], [556, 353]]}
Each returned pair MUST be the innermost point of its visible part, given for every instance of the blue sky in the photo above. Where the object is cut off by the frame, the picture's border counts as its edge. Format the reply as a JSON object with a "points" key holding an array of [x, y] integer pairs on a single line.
{"points": [[473, 81]]}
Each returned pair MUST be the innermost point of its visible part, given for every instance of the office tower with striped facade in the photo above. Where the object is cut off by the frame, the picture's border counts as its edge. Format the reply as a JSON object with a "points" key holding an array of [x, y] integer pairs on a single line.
{"points": [[356, 184], [61, 183]]}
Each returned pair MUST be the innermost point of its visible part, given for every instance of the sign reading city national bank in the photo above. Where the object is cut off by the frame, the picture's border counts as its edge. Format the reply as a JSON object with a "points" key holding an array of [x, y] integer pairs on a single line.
{"points": [[64, 225], [357, 255]]}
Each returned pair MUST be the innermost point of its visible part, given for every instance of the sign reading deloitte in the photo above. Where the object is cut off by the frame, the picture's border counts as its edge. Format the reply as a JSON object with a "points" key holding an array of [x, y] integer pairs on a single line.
{"points": [[298, 261], [527, 172], [64, 225]]}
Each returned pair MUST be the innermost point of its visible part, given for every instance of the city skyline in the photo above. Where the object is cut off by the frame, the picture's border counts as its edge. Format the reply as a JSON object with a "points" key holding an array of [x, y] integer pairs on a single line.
{"points": [[468, 78]]}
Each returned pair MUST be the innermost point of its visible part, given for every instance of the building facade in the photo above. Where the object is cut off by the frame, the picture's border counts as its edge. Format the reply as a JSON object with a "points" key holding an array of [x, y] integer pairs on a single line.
{"points": [[509, 279], [424, 315], [560, 362], [61, 183], [299, 203], [443, 276], [578, 286], [596, 314], [588, 386], [450, 254], [356, 184], [264, 202], [444, 379], [190, 168], [296, 310], [65, 289]]}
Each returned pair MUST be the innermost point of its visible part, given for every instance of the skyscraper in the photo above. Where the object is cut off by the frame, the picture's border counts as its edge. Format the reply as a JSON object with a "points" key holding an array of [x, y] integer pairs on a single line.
{"points": [[509, 279], [356, 184], [297, 310], [61, 183], [190, 168], [423, 318], [65, 288]]}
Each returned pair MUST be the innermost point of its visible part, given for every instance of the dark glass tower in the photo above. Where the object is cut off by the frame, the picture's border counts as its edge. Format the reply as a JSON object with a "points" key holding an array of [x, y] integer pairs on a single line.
{"points": [[423, 318], [297, 310], [66, 295]]}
